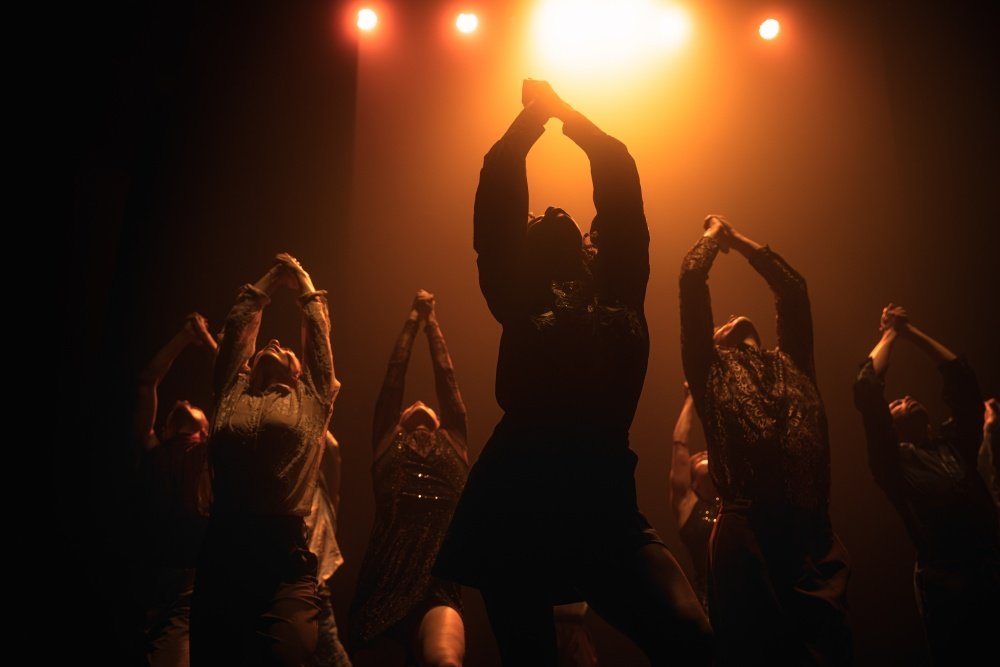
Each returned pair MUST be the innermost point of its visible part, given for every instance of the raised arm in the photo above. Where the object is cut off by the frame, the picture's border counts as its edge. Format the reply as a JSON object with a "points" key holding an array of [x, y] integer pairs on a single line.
{"points": [[239, 334], [619, 230], [194, 332], [791, 300], [501, 211], [880, 437], [317, 353], [452, 409], [390, 398], [682, 497], [960, 388], [697, 347]]}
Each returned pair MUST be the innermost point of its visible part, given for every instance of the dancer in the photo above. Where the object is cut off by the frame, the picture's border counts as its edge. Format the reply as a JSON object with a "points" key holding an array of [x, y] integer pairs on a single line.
{"points": [[778, 574], [549, 514], [178, 493], [255, 598], [933, 484], [693, 496], [401, 612]]}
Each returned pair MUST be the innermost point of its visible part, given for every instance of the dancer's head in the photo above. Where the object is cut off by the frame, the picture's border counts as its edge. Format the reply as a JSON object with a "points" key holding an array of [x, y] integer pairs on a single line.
{"points": [[274, 364], [555, 241], [736, 331], [187, 421], [419, 416], [701, 480], [910, 419]]}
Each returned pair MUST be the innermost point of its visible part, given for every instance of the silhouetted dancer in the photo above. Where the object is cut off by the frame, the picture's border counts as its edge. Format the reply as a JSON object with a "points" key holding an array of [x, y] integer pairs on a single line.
{"points": [[549, 514], [778, 574], [933, 483], [177, 492], [402, 613], [255, 599]]}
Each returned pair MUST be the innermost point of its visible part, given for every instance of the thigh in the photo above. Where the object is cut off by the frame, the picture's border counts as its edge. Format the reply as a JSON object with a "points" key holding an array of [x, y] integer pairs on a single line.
{"points": [[522, 623], [441, 638], [647, 597], [288, 630]]}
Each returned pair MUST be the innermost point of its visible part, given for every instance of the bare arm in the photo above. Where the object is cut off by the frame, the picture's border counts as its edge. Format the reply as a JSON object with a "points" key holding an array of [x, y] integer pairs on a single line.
{"points": [[194, 332], [390, 398], [501, 211], [681, 494], [453, 416]]}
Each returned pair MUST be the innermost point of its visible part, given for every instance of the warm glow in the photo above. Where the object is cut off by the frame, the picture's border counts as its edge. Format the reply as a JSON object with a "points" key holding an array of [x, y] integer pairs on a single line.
{"points": [[467, 23], [769, 29], [604, 34], [367, 19]]}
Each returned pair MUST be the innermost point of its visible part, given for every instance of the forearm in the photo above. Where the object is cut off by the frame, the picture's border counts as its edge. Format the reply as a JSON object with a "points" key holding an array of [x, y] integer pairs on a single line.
{"points": [[316, 348], [682, 429], [697, 346], [449, 397], [931, 347], [160, 364], [239, 335], [390, 398], [881, 353]]}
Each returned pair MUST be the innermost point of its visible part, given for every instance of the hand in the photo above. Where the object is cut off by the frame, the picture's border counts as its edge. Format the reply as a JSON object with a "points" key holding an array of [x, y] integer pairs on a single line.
{"points": [[198, 327], [718, 228], [894, 318], [292, 270], [990, 418], [423, 303], [540, 95]]}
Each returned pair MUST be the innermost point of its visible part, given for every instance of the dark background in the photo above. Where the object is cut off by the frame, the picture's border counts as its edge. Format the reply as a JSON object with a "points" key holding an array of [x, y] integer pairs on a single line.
{"points": [[203, 138]]}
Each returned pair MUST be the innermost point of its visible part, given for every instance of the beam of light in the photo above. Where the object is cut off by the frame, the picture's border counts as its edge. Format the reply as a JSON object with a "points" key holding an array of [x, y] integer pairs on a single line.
{"points": [[769, 29], [467, 22], [367, 19], [595, 35]]}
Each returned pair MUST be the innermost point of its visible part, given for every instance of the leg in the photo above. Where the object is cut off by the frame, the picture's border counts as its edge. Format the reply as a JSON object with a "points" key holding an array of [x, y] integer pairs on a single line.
{"points": [[646, 596], [441, 638], [522, 623], [289, 629], [329, 649]]}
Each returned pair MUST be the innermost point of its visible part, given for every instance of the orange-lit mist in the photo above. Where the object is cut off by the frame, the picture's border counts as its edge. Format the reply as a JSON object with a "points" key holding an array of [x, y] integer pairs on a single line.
{"points": [[792, 141]]}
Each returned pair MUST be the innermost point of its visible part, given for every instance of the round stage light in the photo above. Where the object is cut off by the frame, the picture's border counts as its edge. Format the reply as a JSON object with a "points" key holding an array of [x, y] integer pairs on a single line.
{"points": [[467, 23], [367, 19], [769, 29]]}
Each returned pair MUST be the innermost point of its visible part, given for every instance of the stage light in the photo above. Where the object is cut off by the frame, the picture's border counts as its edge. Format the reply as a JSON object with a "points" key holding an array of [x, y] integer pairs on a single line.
{"points": [[367, 19], [675, 26], [467, 23], [769, 29], [593, 35]]}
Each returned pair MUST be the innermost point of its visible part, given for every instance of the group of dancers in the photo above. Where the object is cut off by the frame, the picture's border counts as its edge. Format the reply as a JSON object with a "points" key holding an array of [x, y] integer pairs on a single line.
{"points": [[243, 500]]}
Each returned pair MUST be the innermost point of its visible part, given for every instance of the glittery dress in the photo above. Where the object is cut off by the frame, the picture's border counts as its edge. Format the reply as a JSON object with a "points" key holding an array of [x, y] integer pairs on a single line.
{"points": [[418, 477], [418, 480]]}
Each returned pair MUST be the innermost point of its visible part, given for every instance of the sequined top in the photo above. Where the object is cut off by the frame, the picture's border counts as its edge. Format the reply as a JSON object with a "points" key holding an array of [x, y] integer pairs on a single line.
{"points": [[266, 447], [570, 349], [935, 488], [695, 534], [418, 480], [761, 410], [178, 491]]}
